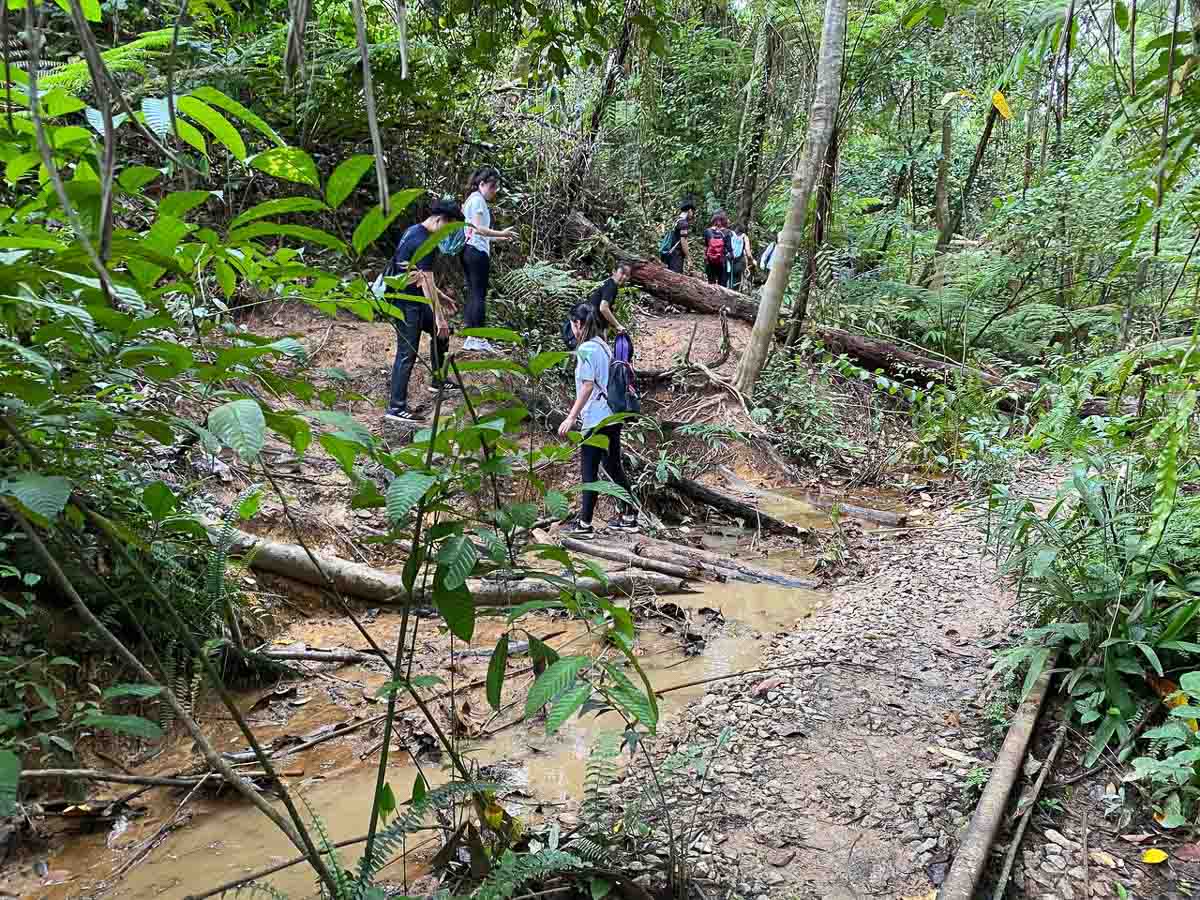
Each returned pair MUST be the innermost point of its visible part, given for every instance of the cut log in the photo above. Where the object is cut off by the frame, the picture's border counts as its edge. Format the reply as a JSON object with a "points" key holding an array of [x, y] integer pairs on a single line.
{"points": [[346, 657], [744, 571], [622, 555], [880, 516], [380, 586]]}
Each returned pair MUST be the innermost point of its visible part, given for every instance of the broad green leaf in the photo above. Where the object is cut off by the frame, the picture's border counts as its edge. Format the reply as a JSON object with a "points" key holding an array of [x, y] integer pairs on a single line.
{"points": [[1121, 15], [131, 690], [135, 178], [557, 505], [296, 429], [375, 223], [175, 358], [180, 203], [279, 207], [159, 500], [556, 679], [287, 163], [404, 492], [226, 277], [20, 165], [90, 8], [567, 705], [342, 450], [420, 789], [300, 232], [241, 426], [213, 97], [217, 124], [190, 134], [492, 365], [457, 608], [43, 495], [345, 178], [631, 701], [386, 802], [134, 726], [457, 556], [547, 360], [497, 669], [10, 779], [506, 335]]}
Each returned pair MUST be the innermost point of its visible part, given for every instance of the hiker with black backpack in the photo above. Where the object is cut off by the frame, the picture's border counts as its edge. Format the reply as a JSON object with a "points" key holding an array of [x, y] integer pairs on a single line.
{"points": [[718, 249], [673, 249], [597, 375]]}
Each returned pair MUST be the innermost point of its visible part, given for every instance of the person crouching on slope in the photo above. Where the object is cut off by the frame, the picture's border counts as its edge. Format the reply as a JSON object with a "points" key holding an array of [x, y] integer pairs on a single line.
{"points": [[592, 361], [429, 317]]}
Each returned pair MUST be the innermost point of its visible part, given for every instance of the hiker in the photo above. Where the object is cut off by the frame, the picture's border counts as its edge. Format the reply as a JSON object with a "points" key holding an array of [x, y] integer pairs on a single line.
{"points": [[674, 248], [742, 257], [604, 297], [429, 316], [717, 249], [477, 254], [768, 259], [591, 407]]}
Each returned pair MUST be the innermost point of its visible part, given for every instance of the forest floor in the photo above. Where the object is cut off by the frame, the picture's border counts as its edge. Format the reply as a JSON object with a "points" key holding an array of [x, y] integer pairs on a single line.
{"points": [[852, 773]]}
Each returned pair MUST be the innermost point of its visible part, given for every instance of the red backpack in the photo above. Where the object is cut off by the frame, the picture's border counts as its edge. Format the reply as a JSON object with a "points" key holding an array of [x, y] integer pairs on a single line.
{"points": [[714, 250]]}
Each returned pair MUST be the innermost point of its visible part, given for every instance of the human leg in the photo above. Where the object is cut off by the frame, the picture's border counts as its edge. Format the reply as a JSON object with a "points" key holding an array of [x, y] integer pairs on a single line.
{"points": [[590, 465], [408, 343], [715, 272], [614, 466]]}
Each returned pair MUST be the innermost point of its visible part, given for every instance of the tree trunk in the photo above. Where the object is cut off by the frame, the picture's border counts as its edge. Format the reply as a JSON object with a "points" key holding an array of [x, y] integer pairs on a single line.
{"points": [[822, 218], [941, 191], [820, 128], [613, 68], [756, 108]]}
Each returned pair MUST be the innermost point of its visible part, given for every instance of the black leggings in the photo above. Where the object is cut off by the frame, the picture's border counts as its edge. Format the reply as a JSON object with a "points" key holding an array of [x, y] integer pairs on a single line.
{"points": [[716, 273], [477, 266], [611, 457]]}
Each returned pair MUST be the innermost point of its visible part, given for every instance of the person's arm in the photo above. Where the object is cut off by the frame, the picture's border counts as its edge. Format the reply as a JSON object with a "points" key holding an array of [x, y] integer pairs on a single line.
{"points": [[585, 394], [430, 289], [606, 311], [747, 252], [476, 221], [683, 240]]}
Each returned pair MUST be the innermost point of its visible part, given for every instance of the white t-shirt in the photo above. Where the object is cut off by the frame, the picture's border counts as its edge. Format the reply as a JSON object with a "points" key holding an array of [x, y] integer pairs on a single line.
{"points": [[476, 208], [591, 364]]}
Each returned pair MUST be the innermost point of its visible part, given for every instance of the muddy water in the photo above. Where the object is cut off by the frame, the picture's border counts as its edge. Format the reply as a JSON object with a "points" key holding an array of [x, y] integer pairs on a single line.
{"points": [[226, 839]]}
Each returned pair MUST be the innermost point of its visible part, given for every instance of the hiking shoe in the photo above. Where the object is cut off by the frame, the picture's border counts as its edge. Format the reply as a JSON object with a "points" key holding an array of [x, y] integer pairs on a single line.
{"points": [[579, 529], [434, 386], [403, 416], [624, 523]]}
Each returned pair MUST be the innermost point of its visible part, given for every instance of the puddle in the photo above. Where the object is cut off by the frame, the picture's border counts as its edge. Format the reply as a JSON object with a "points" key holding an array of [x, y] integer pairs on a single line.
{"points": [[225, 839]]}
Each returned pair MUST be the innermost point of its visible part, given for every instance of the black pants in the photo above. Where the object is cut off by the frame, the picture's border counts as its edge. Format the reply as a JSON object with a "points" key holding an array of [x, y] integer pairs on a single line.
{"points": [[716, 273], [477, 266], [674, 261], [418, 317], [592, 458]]}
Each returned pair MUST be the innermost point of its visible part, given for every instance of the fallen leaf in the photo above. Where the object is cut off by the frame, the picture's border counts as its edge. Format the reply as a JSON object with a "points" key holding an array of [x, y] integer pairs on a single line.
{"points": [[1100, 858], [765, 687], [1136, 838], [1188, 852], [952, 719], [1154, 856], [960, 757]]}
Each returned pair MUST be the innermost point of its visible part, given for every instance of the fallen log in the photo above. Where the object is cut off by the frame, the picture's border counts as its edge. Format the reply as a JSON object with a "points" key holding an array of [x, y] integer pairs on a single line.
{"points": [[180, 781], [621, 555], [880, 516], [743, 571], [346, 657], [871, 353], [731, 506], [380, 586]]}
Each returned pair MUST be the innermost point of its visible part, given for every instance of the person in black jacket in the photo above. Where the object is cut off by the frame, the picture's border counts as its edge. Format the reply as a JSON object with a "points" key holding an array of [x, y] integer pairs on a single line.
{"points": [[678, 254], [604, 298], [428, 316]]}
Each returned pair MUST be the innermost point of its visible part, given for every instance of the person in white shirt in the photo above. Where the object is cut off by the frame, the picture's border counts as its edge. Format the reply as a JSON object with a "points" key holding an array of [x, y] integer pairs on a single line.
{"points": [[477, 254]]}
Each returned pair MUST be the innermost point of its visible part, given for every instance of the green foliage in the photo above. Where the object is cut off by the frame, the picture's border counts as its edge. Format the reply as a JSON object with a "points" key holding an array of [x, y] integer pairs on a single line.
{"points": [[1172, 767], [517, 869]]}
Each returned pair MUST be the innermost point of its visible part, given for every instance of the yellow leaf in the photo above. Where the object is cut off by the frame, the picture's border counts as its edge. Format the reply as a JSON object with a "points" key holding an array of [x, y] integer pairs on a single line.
{"points": [[1001, 104], [1154, 856], [494, 815]]}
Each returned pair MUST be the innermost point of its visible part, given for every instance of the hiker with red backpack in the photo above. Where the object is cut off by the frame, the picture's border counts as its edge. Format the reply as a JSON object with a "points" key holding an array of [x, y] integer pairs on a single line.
{"points": [[718, 249], [603, 386]]}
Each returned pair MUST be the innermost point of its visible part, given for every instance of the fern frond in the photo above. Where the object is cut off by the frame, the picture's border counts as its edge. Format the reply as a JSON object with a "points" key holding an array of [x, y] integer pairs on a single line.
{"points": [[515, 869], [257, 889]]}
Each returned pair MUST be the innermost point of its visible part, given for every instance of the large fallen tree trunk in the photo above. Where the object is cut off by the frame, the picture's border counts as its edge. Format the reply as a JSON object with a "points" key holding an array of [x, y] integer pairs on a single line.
{"points": [[621, 555], [871, 353], [379, 586]]}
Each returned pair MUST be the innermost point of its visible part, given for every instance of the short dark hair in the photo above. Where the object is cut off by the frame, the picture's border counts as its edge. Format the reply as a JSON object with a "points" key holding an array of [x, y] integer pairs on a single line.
{"points": [[446, 208], [623, 264], [720, 219], [484, 175], [686, 205]]}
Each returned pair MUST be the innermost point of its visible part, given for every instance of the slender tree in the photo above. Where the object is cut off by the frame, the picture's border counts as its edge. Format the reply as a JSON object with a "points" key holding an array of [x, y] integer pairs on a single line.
{"points": [[756, 111], [820, 127]]}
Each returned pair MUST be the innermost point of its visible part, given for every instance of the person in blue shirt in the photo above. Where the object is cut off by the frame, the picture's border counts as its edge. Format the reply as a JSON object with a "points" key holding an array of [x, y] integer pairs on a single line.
{"points": [[592, 360], [429, 316]]}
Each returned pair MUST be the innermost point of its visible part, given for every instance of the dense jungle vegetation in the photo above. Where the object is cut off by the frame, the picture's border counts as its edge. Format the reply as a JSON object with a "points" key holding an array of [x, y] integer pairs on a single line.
{"points": [[999, 201]]}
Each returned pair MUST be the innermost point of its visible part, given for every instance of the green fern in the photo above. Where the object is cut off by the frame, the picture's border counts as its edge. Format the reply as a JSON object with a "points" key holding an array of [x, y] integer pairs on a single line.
{"points": [[515, 870], [133, 57]]}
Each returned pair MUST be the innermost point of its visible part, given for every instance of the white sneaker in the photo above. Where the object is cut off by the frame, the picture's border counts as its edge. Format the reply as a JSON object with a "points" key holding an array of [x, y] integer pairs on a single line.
{"points": [[473, 344], [483, 345]]}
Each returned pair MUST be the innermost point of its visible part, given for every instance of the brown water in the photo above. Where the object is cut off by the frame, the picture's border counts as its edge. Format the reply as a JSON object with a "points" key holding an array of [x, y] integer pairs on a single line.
{"points": [[226, 839]]}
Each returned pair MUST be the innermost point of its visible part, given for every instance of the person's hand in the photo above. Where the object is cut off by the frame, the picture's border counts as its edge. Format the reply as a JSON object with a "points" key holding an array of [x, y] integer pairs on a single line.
{"points": [[565, 428], [509, 233], [621, 330], [443, 327]]}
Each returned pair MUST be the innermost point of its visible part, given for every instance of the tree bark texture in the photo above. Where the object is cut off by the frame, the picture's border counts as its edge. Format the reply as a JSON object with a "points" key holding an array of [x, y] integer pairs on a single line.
{"points": [[820, 127], [822, 219], [757, 108]]}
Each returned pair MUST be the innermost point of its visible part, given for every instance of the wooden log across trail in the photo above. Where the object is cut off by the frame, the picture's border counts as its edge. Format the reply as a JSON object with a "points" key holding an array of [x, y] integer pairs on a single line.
{"points": [[180, 781], [732, 506], [380, 586], [622, 555], [881, 516], [346, 657], [870, 353], [731, 567]]}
